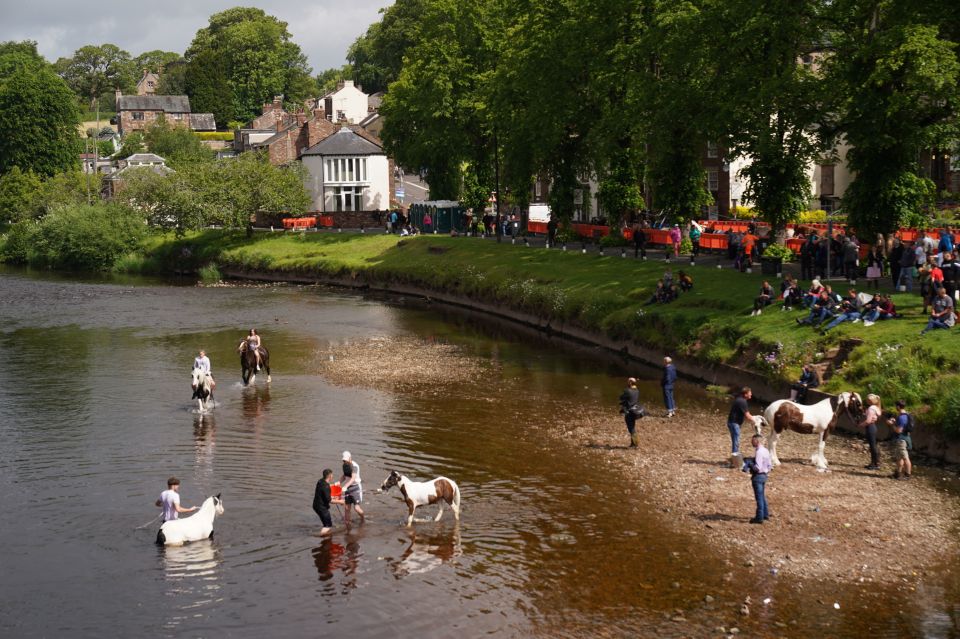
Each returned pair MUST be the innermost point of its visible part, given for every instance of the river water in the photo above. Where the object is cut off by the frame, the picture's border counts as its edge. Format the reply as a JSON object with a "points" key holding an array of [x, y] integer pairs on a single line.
{"points": [[95, 414]]}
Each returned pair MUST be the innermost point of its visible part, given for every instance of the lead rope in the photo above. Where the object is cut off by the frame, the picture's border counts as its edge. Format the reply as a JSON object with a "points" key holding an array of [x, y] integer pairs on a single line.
{"points": [[149, 522]]}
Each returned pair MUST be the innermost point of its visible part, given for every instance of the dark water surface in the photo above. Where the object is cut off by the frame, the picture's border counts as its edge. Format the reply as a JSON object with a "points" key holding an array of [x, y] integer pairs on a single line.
{"points": [[95, 415]]}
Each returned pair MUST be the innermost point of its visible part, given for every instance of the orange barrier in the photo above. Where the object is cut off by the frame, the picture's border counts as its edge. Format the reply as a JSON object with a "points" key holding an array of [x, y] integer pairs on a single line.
{"points": [[713, 242], [590, 230], [325, 220], [658, 236], [299, 222], [537, 227], [794, 244]]}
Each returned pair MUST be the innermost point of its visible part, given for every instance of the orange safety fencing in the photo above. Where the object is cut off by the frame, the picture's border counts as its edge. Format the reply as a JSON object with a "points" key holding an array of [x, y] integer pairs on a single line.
{"points": [[299, 222], [537, 227]]}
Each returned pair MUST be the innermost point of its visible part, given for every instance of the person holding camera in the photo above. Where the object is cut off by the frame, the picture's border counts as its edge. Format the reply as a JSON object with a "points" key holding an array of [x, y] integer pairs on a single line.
{"points": [[631, 409], [902, 425], [759, 466]]}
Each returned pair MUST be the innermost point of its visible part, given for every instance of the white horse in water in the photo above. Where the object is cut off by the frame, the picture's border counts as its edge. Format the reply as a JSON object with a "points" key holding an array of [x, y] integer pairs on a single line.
{"points": [[193, 528], [202, 385], [818, 419], [417, 493]]}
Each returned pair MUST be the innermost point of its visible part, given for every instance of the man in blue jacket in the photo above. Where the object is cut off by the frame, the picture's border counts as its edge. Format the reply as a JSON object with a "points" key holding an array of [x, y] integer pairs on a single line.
{"points": [[667, 382]]}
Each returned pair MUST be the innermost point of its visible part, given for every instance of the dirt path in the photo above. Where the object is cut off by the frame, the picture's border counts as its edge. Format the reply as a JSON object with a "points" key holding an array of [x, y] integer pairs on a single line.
{"points": [[848, 524]]}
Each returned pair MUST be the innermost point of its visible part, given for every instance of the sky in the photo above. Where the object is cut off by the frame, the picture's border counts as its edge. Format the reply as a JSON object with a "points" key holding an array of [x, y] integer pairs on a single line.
{"points": [[324, 29]]}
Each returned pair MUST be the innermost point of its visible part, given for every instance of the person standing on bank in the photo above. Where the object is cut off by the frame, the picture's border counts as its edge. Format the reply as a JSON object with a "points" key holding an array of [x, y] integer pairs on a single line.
{"points": [[869, 425], [759, 468], [170, 501], [666, 383], [352, 489], [739, 412], [631, 409]]}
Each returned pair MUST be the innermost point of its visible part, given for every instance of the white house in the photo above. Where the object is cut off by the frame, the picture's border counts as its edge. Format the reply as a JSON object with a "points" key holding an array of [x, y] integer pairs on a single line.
{"points": [[347, 172], [347, 103]]}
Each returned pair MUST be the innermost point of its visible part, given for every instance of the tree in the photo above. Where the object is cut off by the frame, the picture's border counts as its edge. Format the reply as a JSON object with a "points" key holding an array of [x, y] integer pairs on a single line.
{"points": [[180, 200], [38, 117], [155, 61], [20, 195], [901, 81], [173, 79], [94, 70], [176, 144], [376, 57], [132, 143], [327, 80], [247, 55], [773, 105], [250, 184]]}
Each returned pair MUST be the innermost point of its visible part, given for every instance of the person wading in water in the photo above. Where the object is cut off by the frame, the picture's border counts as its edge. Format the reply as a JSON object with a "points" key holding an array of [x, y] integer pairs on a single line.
{"points": [[631, 409]]}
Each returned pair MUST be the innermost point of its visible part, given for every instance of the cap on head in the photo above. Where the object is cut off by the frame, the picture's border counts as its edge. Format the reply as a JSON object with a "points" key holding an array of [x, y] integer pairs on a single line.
{"points": [[631, 380], [346, 456]]}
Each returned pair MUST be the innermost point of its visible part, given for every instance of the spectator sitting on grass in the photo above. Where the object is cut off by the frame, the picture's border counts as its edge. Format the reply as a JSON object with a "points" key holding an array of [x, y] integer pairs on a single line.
{"points": [[848, 311], [813, 294], [686, 282], [808, 379], [882, 308], [764, 299], [790, 293], [668, 278], [822, 310], [659, 294], [942, 314]]}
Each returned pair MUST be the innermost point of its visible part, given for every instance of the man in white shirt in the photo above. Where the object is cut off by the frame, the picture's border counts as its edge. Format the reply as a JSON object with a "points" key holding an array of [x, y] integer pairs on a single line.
{"points": [[170, 500]]}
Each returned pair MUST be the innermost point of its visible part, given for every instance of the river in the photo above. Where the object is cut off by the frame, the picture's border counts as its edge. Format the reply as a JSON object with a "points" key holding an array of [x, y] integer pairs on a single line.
{"points": [[95, 414]]}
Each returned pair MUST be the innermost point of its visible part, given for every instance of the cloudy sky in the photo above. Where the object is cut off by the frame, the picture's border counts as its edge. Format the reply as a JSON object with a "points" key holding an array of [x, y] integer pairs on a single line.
{"points": [[323, 28]]}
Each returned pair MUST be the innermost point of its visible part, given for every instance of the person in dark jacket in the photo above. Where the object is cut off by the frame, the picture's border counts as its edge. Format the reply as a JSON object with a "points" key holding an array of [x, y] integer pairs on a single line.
{"points": [[807, 251], [639, 241], [851, 255], [322, 501], [808, 379], [631, 409], [666, 383], [896, 254], [764, 299]]}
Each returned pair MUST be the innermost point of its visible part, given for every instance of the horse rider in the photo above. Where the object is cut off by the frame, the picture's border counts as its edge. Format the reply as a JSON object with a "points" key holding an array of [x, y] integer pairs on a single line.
{"points": [[170, 501], [252, 341], [202, 362]]}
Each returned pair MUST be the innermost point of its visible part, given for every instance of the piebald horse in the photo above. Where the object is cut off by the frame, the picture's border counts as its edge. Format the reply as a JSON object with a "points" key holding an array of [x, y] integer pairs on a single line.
{"points": [[202, 385], [417, 493], [193, 528], [818, 419]]}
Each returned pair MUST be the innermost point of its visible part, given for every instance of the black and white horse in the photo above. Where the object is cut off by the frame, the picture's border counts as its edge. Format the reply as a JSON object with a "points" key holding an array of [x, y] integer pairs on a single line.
{"points": [[417, 493], [202, 385], [818, 419]]}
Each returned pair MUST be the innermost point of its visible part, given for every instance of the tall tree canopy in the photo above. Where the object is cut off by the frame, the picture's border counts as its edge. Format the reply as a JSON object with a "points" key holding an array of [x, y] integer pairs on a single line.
{"points": [[155, 61], [38, 115], [93, 71], [243, 58], [376, 57]]}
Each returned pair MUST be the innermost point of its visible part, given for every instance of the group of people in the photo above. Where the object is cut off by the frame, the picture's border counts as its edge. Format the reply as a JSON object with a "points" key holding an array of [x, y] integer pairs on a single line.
{"points": [[668, 290], [350, 485]]}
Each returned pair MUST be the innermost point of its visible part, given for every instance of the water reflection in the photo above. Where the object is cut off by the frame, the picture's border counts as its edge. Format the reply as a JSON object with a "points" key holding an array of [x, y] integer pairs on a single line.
{"points": [[256, 401], [204, 437], [427, 551], [331, 557], [192, 574]]}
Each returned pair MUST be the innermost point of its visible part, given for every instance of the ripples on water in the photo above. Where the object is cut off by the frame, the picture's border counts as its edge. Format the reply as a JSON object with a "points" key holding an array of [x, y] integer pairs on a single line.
{"points": [[95, 414]]}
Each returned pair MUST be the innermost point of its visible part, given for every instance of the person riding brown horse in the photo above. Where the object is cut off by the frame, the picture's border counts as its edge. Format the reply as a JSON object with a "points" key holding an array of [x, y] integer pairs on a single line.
{"points": [[252, 356], [252, 343]]}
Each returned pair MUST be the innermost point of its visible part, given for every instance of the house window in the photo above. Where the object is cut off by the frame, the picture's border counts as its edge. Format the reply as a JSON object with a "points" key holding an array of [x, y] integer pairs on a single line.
{"points": [[341, 116], [345, 170], [177, 116], [348, 198], [150, 83], [713, 180], [538, 188], [712, 150], [138, 115]]}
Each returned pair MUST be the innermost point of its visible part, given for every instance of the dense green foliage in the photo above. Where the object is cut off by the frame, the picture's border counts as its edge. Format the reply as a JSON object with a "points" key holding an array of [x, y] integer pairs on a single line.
{"points": [[243, 58], [95, 72], [176, 144], [38, 114], [77, 237]]}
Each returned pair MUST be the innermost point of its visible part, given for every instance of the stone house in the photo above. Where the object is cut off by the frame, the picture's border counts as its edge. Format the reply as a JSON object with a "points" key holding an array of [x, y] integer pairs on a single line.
{"points": [[137, 112], [147, 85]]}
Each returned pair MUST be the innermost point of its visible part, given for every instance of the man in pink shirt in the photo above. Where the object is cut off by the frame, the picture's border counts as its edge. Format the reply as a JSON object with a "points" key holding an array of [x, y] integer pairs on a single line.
{"points": [[675, 237], [759, 467]]}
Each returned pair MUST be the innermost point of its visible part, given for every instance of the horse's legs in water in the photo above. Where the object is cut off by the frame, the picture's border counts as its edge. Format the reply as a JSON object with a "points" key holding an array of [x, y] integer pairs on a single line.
{"points": [[774, 437], [410, 508], [439, 512]]}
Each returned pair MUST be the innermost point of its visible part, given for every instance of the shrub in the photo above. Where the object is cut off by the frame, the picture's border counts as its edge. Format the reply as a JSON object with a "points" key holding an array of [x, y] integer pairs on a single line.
{"points": [[78, 237], [743, 213], [779, 250], [946, 410], [614, 239], [18, 242], [210, 274], [818, 216], [226, 136]]}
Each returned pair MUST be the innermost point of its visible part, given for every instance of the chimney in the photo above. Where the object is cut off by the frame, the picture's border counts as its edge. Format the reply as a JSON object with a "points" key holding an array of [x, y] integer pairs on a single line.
{"points": [[319, 114], [118, 94], [301, 118]]}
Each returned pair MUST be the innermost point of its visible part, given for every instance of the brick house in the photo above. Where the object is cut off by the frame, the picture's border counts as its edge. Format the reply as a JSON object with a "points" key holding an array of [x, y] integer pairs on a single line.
{"points": [[137, 112]]}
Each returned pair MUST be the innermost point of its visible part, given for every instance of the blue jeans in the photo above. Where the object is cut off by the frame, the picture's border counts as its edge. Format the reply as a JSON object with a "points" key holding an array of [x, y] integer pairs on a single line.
{"points": [[668, 398], [759, 482], [734, 436], [906, 274], [631, 420], [932, 324], [846, 317]]}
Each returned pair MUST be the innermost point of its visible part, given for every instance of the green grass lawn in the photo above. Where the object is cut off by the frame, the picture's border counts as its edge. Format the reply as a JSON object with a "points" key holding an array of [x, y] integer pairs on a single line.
{"points": [[607, 295]]}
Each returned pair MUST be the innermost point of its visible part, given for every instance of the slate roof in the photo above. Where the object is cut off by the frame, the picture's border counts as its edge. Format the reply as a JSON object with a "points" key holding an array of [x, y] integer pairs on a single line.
{"points": [[202, 122], [165, 103], [345, 142], [145, 158]]}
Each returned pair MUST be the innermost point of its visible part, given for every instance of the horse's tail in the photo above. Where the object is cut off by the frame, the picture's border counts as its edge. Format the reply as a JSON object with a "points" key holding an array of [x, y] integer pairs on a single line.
{"points": [[456, 500]]}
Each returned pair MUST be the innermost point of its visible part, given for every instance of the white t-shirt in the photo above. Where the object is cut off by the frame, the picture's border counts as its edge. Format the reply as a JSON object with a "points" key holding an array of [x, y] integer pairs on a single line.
{"points": [[203, 363], [170, 499]]}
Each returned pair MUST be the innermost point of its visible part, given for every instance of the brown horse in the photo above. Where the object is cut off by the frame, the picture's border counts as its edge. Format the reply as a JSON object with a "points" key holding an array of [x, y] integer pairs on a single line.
{"points": [[248, 364]]}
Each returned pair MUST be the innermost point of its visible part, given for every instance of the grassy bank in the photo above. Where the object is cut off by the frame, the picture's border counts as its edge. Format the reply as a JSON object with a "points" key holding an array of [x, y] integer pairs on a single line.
{"points": [[607, 295]]}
